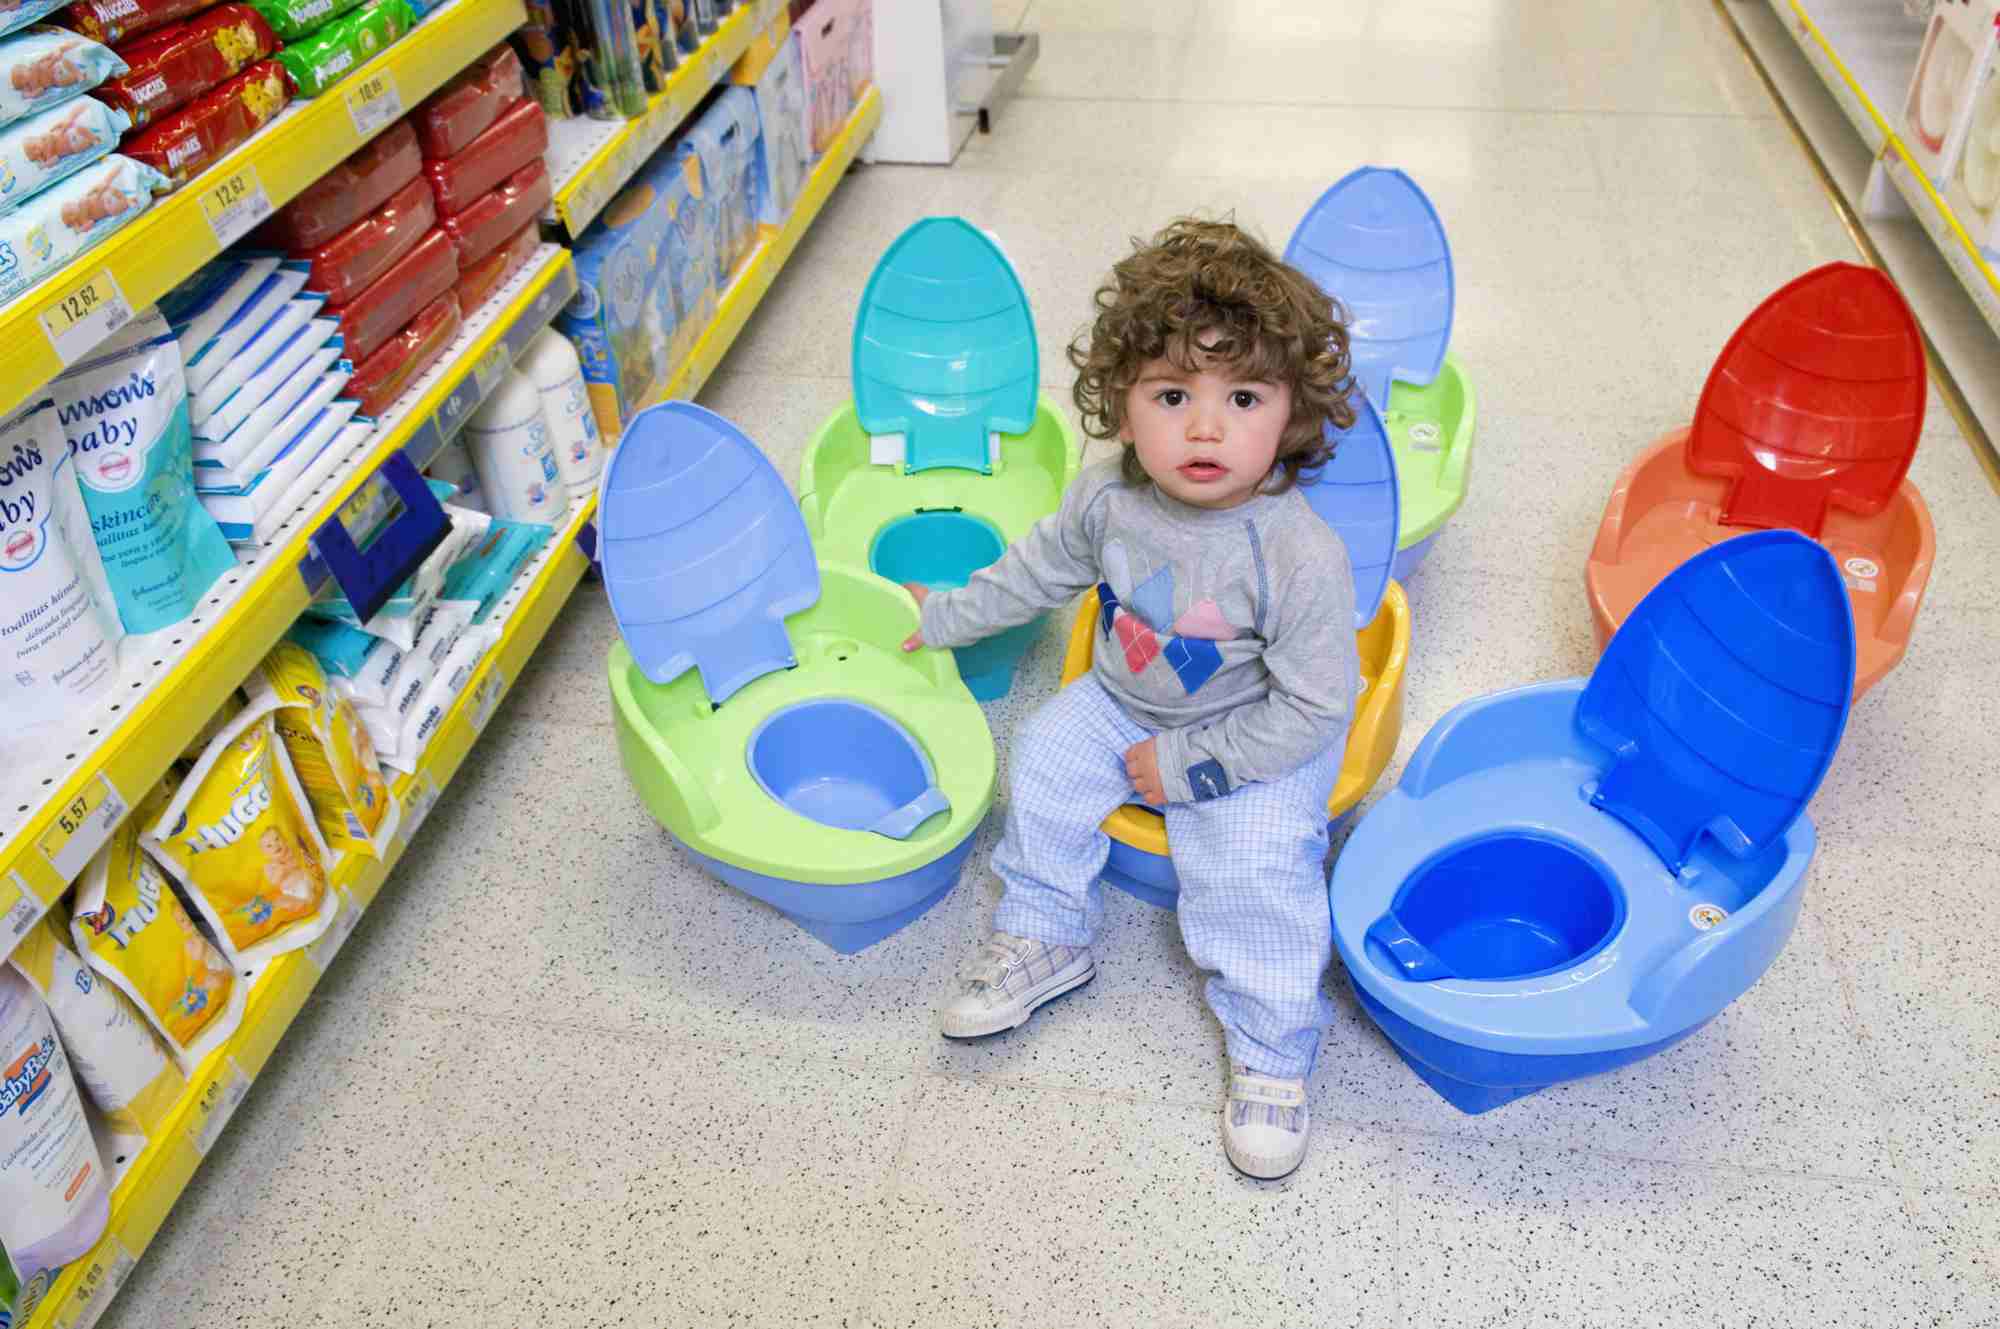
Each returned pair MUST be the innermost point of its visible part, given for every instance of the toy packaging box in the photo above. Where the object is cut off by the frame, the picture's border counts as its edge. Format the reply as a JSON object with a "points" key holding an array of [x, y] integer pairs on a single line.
{"points": [[623, 319], [688, 256], [825, 33], [1956, 57], [1972, 156], [725, 138], [784, 146]]}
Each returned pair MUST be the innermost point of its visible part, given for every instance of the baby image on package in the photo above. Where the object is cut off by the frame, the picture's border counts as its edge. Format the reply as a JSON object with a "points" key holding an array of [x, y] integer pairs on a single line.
{"points": [[330, 750], [130, 927], [240, 837]]}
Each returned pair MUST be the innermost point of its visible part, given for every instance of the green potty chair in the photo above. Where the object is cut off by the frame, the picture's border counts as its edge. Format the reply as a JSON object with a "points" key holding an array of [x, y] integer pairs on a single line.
{"points": [[1374, 243], [764, 707], [947, 455]]}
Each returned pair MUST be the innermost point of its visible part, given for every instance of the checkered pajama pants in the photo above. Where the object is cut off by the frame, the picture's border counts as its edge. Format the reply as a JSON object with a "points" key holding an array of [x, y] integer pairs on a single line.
{"points": [[1253, 904]]}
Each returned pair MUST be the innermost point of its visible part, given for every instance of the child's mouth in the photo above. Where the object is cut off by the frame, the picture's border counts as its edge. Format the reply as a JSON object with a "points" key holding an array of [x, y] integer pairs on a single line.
{"points": [[1203, 472]]}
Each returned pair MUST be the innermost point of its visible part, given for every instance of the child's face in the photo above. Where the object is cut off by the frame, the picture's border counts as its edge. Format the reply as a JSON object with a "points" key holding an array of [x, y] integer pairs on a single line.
{"points": [[1208, 438]]}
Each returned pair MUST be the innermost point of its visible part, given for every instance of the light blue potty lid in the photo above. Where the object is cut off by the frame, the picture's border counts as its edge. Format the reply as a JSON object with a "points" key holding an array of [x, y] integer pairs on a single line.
{"points": [[944, 347], [1356, 494], [704, 551], [1724, 695], [1374, 242]]}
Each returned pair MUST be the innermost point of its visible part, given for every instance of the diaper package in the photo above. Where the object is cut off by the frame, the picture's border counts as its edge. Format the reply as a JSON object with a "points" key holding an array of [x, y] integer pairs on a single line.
{"points": [[329, 749], [58, 627], [112, 1049], [241, 839], [319, 61], [349, 441], [53, 145], [54, 1199], [56, 225], [131, 928], [124, 413], [303, 343], [45, 66]]}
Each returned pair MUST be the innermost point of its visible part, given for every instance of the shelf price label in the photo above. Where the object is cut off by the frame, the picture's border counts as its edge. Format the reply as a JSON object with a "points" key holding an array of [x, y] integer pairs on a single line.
{"points": [[486, 698], [492, 367], [110, 1265], [81, 827], [417, 804], [235, 204], [374, 102], [322, 952], [19, 908], [76, 321], [219, 1100]]}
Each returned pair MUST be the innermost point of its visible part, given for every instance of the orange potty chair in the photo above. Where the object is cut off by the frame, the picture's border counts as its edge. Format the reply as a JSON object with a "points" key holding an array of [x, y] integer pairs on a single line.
{"points": [[1809, 421]]}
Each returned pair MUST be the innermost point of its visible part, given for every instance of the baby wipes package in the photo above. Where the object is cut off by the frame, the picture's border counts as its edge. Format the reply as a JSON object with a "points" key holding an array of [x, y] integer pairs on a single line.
{"points": [[199, 308], [54, 144], [69, 217], [54, 1200], [422, 720], [46, 66], [249, 318], [58, 629], [132, 929], [115, 1054], [240, 838], [124, 411], [329, 748], [484, 575]]}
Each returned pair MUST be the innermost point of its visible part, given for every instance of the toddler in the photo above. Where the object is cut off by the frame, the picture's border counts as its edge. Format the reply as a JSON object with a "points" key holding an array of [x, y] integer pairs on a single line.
{"points": [[1225, 669]]}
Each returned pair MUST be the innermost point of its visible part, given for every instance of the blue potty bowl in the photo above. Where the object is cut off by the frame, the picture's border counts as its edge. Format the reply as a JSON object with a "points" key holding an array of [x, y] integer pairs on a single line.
{"points": [[1575, 875]]}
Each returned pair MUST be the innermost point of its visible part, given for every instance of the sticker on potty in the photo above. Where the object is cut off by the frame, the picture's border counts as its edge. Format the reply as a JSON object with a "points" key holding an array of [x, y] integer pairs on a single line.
{"points": [[1861, 572], [1424, 435], [1706, 916]]}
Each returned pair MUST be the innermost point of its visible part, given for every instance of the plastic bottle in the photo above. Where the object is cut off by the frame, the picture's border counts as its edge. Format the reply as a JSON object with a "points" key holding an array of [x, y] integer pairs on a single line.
{"points": [[54, 1202], [552, 363], [453, 465], [509, 442]]}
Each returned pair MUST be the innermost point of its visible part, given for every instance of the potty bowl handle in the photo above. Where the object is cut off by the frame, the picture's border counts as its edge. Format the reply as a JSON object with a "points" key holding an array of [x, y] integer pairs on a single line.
{"points": [[1406, 956], [901, 823]]}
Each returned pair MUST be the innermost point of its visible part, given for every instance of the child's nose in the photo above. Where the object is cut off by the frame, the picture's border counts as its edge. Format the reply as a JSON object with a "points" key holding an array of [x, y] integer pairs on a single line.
{"points": [[1205, 425]]}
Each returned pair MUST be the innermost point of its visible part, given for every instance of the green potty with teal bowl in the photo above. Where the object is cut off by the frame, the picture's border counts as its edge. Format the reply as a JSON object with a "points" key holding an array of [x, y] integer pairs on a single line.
{"points": [[1374, 243], [947, 454], [764, 707]]}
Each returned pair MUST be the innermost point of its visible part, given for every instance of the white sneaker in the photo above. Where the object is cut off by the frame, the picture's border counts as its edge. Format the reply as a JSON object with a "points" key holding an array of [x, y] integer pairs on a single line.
{"points": [[1006, 979], [1264, 1123]]}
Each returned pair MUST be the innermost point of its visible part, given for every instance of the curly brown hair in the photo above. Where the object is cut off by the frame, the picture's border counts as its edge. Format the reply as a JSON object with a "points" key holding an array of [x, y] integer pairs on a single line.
{"points": [[1206, 292]]}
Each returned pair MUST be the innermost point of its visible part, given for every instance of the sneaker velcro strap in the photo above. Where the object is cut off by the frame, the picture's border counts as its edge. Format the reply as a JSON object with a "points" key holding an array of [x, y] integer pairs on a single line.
{"points": [[1263, 1089]]}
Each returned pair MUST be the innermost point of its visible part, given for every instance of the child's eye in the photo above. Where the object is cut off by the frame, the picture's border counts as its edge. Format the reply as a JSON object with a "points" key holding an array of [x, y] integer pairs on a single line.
{"points": [[1244, 399], [1170, 397]]}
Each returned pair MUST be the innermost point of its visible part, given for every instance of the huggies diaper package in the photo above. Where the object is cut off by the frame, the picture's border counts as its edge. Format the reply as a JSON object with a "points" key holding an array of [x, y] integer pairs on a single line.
{"points": [[58, 627], [330, 750], [241, 839], [125, 415], [54, 1200], [53, 145], [131, 927], [120, 1063]]}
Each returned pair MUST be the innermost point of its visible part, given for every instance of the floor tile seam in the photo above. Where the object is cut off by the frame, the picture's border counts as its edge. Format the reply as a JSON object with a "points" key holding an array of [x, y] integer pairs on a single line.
{"points": [[889, 1190], [1259, 105]]}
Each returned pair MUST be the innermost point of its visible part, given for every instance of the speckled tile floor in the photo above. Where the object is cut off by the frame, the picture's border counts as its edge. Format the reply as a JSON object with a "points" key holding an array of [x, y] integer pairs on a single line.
{"points": [[560, 1077]]}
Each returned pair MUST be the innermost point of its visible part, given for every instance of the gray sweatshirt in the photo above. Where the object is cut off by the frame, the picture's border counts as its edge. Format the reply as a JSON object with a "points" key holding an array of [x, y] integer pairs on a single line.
{"points": [[1230, 631]]}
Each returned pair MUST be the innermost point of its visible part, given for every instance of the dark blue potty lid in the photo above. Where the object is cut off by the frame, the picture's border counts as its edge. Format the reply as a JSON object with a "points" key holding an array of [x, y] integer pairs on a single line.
{"points": [[1723, 696], [1374, 243], [1356, 494], [944, 347], [704, 551]]}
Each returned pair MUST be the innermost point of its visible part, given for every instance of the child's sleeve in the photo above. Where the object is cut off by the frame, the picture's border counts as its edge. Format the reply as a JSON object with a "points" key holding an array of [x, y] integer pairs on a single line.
{"points": [[1315, 673], [1045, 568]]}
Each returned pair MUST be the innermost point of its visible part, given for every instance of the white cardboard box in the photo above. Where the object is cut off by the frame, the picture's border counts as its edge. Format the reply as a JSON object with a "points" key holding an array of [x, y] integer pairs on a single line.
{"points": [[1957, 53]]}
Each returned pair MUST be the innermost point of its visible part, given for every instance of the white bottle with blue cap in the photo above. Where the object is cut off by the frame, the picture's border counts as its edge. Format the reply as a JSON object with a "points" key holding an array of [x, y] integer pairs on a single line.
{"points": [[509, 441]]}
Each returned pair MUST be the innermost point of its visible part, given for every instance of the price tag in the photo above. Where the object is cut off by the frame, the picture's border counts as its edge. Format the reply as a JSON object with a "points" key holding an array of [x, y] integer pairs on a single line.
{"points": [[218, 1104], [235, 204], [18, 909], [417, 805], [110, 1265], [374, 102], [322, 951], [491, 687], [492, 367], [82, 826], [78, 320]]}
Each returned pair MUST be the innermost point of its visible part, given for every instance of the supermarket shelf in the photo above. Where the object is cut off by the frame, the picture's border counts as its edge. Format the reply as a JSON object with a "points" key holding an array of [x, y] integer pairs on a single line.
{"points": [[179, 233], [78, 785], [592, 159], [154, 1181], [773, 251]]}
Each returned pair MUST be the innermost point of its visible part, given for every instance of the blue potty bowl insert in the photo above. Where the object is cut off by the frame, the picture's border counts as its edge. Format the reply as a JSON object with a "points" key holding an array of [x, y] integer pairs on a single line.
{"points": [[846, 764], [1575, 875], [941, 551]]}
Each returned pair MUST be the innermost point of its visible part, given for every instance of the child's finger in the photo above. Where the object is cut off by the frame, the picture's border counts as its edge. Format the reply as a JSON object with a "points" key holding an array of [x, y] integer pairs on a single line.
{"points": [[914, 642]]}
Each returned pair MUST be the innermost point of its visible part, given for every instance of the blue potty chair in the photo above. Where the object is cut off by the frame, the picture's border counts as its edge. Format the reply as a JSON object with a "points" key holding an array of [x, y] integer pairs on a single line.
{"points": [[947, 455], [764, 707], [1575, 875], [1374, 243]]}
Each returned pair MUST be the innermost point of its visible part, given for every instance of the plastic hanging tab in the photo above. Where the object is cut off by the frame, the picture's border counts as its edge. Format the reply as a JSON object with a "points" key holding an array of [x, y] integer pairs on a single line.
{"points": [[369, 577]]}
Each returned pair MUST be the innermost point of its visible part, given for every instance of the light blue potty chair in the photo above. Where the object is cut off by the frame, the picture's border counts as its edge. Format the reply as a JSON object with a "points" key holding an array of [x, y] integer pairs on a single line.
{"points": [[764, 707], [948, 454], [1575, 875], [1374, 243]]}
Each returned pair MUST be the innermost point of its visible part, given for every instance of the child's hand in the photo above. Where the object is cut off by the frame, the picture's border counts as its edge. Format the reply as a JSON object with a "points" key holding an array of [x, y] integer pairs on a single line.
{"points": [[1142, 763], [921, 593]]}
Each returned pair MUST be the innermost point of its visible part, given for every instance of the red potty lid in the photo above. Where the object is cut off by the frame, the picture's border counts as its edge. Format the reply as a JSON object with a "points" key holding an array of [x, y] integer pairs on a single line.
{"points": [[1817, 400]]}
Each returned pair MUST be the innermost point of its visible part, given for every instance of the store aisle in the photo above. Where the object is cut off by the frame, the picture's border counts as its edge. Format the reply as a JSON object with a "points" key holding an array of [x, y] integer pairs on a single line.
{"points": [[560, 1077]]}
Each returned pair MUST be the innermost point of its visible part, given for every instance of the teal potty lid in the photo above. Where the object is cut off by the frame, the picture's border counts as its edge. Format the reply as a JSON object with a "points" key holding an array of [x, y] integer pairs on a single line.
{"points": [[1374, 243], [944, 347], [705, 554], [1723, 696], [1356, 494]]}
